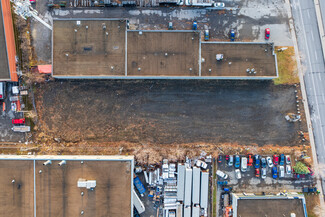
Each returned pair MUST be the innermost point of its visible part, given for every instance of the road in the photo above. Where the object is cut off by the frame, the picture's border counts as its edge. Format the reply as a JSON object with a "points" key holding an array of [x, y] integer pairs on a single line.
{"points": [[312, 60]]}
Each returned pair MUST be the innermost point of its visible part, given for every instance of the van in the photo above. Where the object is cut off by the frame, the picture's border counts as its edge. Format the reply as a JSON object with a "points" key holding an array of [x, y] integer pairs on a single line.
{"points": [[243, 164], [2, 90]]}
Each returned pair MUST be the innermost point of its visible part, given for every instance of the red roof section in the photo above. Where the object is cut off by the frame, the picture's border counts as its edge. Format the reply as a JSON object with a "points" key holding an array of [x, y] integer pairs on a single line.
{"points": [[10, 38], [44, 69]]}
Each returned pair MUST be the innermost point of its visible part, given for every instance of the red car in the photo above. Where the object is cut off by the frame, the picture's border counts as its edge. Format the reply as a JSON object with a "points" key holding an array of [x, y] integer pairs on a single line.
{"points": [[275, 159], [18, 121], [311, 171], [267, 33], [249, 160], [257, 173]]}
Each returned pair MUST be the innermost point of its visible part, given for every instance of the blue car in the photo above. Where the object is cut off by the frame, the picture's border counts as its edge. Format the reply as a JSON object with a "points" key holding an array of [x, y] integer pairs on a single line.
{"points": [[194, 25], [274, 172], [232, 35], [257, 161], [282, 159], [237, 161]]}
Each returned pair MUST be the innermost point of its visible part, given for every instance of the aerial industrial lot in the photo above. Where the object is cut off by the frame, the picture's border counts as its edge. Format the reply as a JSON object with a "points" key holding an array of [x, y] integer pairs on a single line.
{"points": [[165, 108]]}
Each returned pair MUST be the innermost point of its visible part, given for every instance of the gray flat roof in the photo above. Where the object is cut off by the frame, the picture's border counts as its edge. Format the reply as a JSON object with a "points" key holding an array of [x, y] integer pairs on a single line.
{"points": [[53, 190], [163, 53], [269, 207], [89, 47], [237, 57], [4, 69]]}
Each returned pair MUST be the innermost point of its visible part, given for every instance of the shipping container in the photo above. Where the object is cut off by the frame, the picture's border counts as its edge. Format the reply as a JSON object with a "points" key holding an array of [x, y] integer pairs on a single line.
{"points": [[204, 190], [179, 210], [140, 187], [196, 211], [138, 203], [196, 186], [180, 182], [188, 187], [187, 211]]}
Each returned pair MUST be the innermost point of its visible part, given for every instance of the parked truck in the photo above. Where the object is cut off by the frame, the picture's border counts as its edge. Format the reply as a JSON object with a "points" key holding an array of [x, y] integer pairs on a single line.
{"points": [[140, 187]]}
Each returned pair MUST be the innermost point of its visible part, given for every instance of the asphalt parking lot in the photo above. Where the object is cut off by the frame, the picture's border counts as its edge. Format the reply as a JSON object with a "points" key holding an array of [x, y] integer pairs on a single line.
{"points": [[251, 184], [6, 133]]}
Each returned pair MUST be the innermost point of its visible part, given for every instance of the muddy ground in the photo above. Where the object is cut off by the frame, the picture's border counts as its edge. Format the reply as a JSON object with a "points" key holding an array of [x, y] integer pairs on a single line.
{"points": [[168, 112]]}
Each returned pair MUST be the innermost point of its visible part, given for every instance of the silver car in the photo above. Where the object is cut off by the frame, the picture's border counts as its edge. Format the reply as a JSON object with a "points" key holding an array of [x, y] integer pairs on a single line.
{"points": [[263, 173]]}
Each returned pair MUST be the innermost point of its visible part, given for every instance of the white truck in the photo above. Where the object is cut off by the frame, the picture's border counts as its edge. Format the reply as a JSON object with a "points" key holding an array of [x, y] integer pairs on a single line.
{"points": [[2, 90]]}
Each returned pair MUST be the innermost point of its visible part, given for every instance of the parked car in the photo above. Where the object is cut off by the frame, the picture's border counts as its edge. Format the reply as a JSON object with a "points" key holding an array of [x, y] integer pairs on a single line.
{"points": [[2, 90], [219, 4], [243, 164], [238, 174], [288, 160], [275, 160], [249, 160], [288, 169], [282, 159], [231, 160], [274, 172], [220, 159], [232, 35], [263, 173], [263, 162], [311, 171], [194, 25], [257, 161], [18, 121], [206, 35], [227, 158], [170, 25], [222, 183], [237, 161], [222, 174], [267, 33], [269, 162], [257, 172], [281, 171]]}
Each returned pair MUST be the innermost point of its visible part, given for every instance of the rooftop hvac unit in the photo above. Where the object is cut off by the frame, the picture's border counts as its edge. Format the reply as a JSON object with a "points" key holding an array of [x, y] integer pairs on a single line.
{"points": [[89, 184], [219, 57]]}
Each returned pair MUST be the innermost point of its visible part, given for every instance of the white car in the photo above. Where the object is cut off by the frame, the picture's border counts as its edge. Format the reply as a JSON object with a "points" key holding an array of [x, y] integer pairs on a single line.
{"points": [[243, 164], [263, 173], [238, 174], [231, 160], [288, 169], [281, 171], [219, 4], [288, 161], [222, 174], [269, 162], [201, 164]]}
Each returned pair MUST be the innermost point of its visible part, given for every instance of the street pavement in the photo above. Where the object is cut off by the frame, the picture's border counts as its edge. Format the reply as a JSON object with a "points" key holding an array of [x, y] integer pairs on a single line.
{"points": [[312, 60]]}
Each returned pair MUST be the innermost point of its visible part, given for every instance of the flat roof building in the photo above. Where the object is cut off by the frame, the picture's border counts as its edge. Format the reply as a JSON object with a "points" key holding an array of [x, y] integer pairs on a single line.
{"points": [[104, 48], [39, 186], [249, 205], [8, 71]]}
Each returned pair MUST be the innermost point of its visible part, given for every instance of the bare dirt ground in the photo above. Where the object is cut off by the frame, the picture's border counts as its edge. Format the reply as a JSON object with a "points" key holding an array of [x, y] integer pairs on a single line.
{"points": [[168, 112]]}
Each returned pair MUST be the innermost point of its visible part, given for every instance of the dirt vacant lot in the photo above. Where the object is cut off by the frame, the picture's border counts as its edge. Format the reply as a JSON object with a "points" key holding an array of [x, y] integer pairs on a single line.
{"points": [[167, 112]]}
